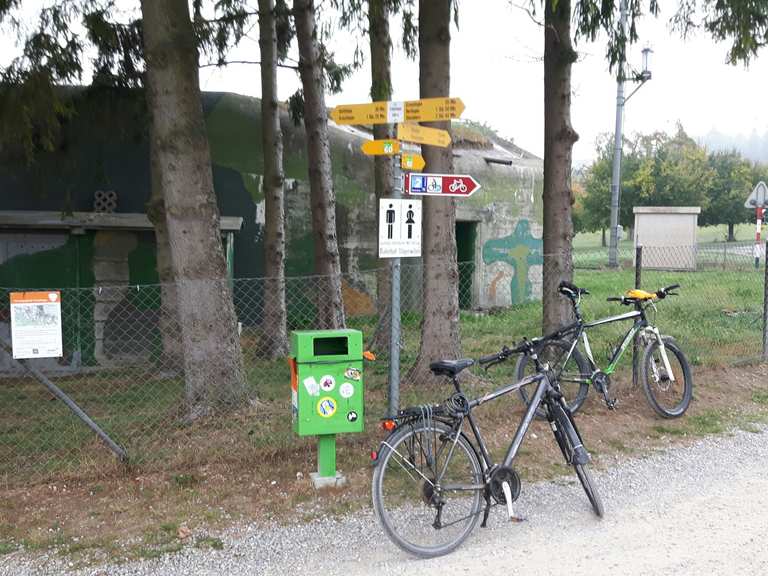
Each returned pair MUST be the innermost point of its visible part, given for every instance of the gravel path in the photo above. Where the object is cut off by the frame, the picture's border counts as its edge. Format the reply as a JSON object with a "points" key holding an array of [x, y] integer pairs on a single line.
{"points": [[686, 511]]}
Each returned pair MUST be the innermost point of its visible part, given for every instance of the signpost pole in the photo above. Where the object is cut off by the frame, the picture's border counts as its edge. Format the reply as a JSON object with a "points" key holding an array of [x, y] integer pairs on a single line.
{"points": [[394, 308]]}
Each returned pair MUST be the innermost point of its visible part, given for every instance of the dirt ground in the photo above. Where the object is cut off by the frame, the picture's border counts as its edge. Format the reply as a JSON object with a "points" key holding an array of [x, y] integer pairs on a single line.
{"points": [[131, 515]]}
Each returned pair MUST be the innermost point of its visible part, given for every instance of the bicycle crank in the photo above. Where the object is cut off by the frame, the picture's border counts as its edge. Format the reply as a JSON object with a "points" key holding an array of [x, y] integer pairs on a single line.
{"points": [[505, 489], [602, 382]]}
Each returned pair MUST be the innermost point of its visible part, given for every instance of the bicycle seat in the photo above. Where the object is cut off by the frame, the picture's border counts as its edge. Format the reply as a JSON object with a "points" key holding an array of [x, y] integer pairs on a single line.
{"points": [[571, 290], [450, 367]]}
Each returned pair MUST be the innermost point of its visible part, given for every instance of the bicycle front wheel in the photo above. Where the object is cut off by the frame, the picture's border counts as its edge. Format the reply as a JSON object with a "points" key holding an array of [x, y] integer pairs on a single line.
{"points": [[427, 489], [668, 393], [566, 434], [572, 373]]}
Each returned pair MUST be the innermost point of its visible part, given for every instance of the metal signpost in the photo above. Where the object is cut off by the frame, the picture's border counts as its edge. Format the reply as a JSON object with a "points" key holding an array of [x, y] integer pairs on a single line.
{"points": [[399, 219], [758, 200]]}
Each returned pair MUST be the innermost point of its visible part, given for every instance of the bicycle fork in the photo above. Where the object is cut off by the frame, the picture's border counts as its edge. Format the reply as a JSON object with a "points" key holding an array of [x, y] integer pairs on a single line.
{"points": [[664, 358]]}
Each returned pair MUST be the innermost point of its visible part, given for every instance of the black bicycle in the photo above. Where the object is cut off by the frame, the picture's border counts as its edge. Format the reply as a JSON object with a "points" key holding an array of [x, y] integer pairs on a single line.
{"points": [[663, 368], [431, 480]]}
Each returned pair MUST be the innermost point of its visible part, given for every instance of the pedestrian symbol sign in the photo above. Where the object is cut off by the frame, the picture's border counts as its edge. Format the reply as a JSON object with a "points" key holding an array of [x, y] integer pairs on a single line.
{"points": [[399, 228]]}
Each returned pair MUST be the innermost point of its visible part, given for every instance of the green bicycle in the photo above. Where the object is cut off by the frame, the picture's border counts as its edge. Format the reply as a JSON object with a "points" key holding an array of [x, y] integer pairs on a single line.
{"points": [[664, 369]]}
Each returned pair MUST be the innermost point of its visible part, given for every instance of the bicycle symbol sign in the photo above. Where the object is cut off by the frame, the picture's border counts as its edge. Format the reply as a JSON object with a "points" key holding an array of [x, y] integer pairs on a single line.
{"points": [[441, 184]]}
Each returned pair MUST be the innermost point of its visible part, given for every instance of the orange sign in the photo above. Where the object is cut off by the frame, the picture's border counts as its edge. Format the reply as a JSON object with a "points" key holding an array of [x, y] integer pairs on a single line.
{"points": [[412, 162], [422, 135], [35, 297], [424, 110], [381, 147]]}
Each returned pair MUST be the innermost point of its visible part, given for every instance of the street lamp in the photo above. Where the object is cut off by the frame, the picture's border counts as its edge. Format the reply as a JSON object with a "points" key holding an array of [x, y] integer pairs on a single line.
{"points": [[640, 78]]}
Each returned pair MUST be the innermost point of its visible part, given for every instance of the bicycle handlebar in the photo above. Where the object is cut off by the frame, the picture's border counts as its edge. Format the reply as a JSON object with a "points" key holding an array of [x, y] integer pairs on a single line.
{"points": [[524, 347], [659, 295]]}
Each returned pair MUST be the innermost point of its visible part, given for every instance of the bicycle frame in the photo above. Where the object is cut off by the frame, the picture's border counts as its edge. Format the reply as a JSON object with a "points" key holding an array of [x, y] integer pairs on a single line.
{"points": [[640, 324]]}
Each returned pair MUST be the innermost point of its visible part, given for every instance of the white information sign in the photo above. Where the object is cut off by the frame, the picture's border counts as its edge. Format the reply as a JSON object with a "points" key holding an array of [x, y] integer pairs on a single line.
{"points": [[399, 228], [36, 324]]}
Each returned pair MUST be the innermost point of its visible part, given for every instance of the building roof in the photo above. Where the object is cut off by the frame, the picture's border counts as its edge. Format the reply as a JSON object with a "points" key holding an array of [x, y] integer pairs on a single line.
{"points": [[90, 221]]}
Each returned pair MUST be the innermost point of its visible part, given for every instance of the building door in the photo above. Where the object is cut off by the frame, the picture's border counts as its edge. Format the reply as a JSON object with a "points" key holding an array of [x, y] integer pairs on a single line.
{"points": [[466, 235]]}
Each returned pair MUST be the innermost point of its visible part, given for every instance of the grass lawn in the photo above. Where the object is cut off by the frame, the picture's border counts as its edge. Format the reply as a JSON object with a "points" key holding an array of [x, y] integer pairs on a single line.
{"points": [[705, 235]]}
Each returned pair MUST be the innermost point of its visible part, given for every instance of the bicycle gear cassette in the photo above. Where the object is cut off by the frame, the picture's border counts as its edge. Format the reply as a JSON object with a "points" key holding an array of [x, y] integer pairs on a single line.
{"points": [[498, 477]]}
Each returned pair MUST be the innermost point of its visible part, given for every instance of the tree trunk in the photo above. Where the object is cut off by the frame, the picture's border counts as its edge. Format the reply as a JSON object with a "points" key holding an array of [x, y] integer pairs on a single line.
{"points": [[602, 238], [172, 356], [559, 137], [381, 89], [330, 307], [440, 322], [731, 235], [274, 323], [213, 364]]}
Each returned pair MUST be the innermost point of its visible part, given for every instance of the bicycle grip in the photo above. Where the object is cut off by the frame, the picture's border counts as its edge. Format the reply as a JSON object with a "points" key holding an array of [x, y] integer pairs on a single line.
{"points": [[487, 359]]}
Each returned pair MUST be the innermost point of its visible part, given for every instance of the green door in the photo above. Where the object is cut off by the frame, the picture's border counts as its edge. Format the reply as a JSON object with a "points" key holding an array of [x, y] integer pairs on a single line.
{"points": [[466, 235]]}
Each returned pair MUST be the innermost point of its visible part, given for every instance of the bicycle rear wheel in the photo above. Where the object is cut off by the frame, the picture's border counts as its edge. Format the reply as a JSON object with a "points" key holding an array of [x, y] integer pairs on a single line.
{"points": [[669, 399], [571, 373], [427, 489]]}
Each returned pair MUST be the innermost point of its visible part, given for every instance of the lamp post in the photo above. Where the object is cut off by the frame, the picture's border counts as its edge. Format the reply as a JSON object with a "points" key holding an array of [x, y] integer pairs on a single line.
{"points": [[641, 78]]}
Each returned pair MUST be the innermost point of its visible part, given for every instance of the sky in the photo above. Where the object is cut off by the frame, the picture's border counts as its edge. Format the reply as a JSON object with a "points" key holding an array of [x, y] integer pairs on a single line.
{"points": [[497, 70]]}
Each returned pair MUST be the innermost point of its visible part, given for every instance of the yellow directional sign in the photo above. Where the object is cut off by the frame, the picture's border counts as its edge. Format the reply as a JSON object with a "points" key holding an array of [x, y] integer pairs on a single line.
{"points": [[424, 110], [412, 162], [422, 135], [380, 147]]}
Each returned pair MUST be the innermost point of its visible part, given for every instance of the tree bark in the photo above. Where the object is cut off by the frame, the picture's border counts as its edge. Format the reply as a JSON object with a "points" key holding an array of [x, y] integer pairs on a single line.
{"points": [[381, 89], [213, 364], [330, 307], [604, 244], [559, 137], [440, 322], [731, 235], [274, 323], [172, 355]]}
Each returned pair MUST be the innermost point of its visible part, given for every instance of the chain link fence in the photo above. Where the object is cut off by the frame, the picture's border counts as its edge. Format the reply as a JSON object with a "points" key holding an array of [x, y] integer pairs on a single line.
{"points": [[123, 353]]}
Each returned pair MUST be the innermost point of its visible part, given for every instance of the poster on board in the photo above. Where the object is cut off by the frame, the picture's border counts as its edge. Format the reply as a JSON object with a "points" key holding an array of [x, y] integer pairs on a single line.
{"points": [[36, 324]]}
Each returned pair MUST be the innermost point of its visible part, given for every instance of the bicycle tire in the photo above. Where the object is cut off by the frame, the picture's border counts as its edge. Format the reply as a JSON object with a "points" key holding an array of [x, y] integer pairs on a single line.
{"points": [[582, 471], [406, 517], [654, 389], [574, 396], [588, 483]]}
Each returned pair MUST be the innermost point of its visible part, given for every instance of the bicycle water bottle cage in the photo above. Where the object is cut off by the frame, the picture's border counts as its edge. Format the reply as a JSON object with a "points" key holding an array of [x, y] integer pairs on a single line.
{"points": [[637, 294]]}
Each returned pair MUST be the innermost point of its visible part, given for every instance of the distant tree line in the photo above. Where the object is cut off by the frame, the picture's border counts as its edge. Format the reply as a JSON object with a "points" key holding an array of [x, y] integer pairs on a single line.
{"points": [[660, 169]]}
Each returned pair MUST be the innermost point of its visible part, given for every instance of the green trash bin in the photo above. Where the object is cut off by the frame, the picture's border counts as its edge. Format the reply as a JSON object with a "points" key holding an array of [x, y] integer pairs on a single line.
{"points": [[327, 391]]}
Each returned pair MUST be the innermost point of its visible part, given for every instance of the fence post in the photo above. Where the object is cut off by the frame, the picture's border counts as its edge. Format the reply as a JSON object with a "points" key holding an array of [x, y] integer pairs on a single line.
{"points": [[638, 282], [765, 306]]}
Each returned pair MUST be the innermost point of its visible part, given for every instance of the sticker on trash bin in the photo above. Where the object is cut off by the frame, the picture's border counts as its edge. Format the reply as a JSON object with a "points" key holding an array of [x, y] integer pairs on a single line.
{"points": [[353, 373], [352, 416], [312, 387], [326, 407], [327, 383], [346, 390]]}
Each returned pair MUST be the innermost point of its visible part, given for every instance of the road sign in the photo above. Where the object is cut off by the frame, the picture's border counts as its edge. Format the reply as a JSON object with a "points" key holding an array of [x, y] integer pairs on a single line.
{"points": [[422, 135], [380, 147], [759, 197], [424, 110], [441, 185], [412, 162], [399, 228]]}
